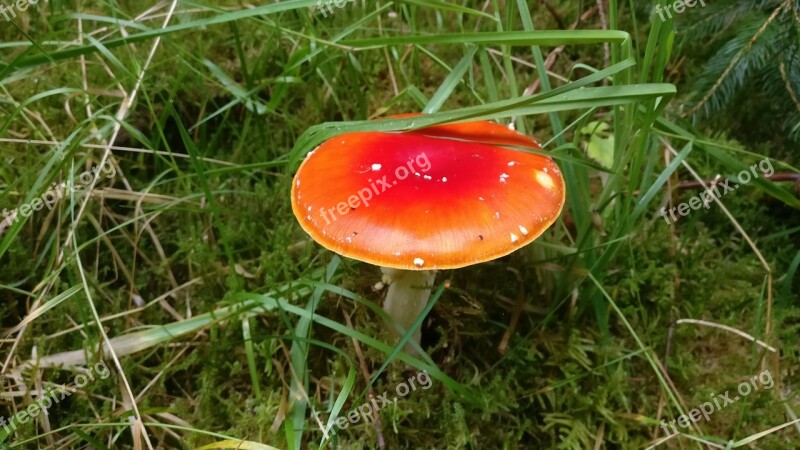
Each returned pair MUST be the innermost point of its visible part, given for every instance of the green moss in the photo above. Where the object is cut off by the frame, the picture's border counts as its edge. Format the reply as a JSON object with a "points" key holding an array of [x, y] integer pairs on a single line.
{"points": [[566, 379]]}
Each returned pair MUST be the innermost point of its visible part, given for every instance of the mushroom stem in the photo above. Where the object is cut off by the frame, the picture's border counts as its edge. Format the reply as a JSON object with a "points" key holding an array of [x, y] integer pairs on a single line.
{"points": [[408, 294]]}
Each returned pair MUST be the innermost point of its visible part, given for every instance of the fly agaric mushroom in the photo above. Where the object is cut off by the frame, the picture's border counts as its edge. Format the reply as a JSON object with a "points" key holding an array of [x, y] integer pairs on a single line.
{"points": [[414, 202]]}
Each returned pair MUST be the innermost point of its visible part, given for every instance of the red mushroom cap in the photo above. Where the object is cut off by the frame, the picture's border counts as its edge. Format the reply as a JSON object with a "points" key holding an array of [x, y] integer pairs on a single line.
{"points": [[441, 197]]}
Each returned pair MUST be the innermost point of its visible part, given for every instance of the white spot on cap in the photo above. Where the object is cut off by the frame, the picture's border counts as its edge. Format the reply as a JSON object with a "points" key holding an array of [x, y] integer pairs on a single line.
{"points": [[511, 163], [298, 182], [309, 208], [348, 239], [419, 262], [427, 177], [416, 173], [376, 167], [545, 170], [544, 179], [396, 253], [480, 198], [444, 179], [308, 217], [503, 177], [497, 214], [514, 237], [523, 230]]}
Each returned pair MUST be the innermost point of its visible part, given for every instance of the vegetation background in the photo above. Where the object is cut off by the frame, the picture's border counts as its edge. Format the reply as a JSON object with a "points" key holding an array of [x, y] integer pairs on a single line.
{"points": [[231, 329]]}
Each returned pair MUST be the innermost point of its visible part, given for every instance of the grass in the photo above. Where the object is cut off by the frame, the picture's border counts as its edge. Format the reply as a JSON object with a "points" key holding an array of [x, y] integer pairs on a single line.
{"points": [[226, 327]]}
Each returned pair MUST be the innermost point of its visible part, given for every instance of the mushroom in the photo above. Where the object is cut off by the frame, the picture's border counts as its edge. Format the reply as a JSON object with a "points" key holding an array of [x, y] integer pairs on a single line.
{"points": [[414, 202]]}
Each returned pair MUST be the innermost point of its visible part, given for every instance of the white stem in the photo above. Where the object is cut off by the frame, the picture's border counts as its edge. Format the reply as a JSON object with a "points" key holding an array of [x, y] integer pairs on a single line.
{"points": [[408, 294]]}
